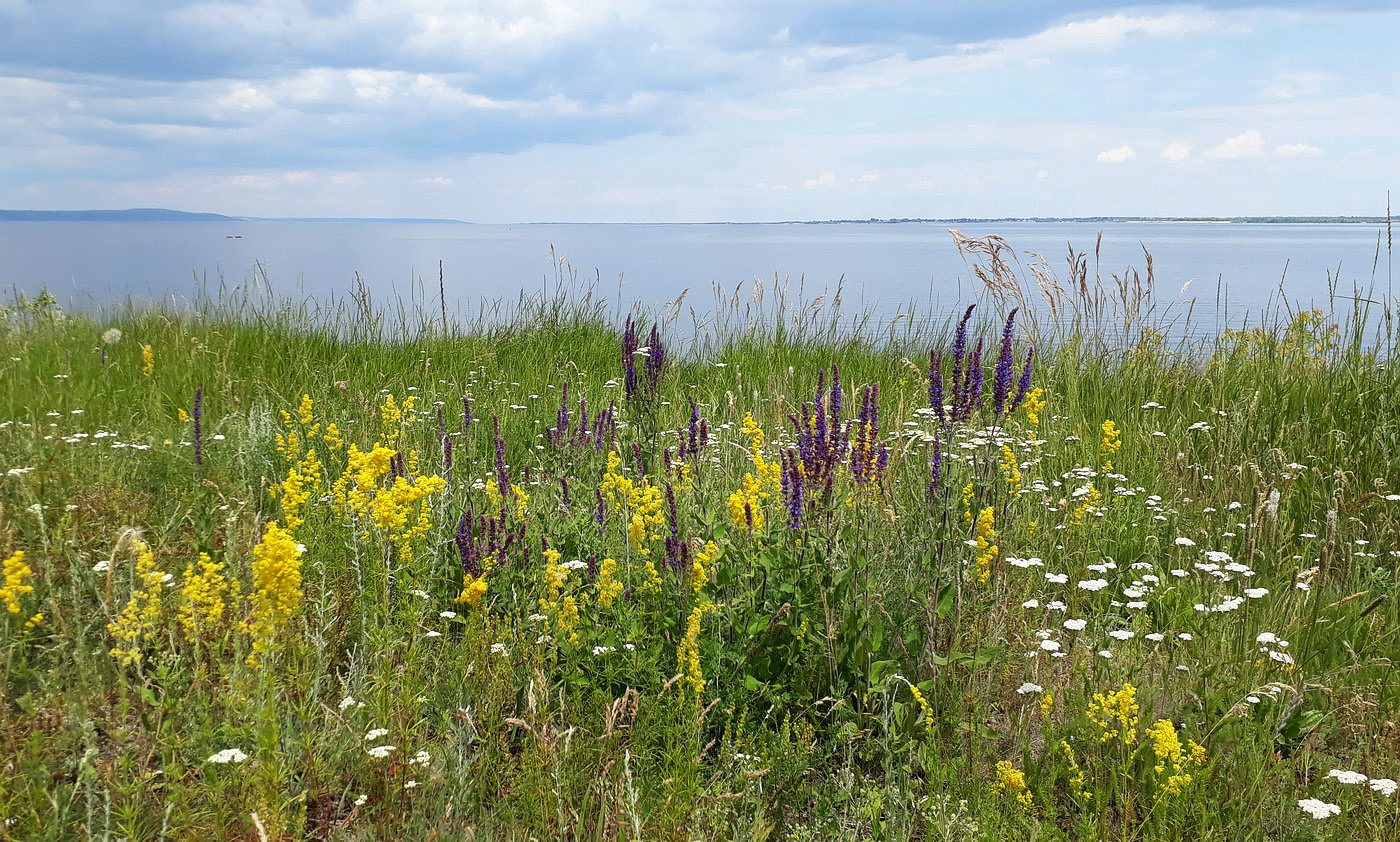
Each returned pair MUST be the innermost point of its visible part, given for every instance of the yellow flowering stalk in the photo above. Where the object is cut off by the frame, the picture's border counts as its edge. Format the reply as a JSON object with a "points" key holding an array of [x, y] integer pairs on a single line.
{"points": [[688, 652], [986, 550], [1034, 403], [1110, 443], [17, 576], [1086, 508], [607, 586], [1012, 781], [277, 588], [1047, 705], [1076, 780], [702, 569], [401, 510], [1116, 714], [967, 502], [567, 618], [1173, 759], [148, 359], [554, 574], [926, 710], [641, 499], [203, 590], [1010, 470], [744, 504], [522, 500], [141, 614]]}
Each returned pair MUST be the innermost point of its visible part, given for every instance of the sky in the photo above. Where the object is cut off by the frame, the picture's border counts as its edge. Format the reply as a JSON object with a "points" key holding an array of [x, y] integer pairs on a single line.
{"points": [[724, 110]]}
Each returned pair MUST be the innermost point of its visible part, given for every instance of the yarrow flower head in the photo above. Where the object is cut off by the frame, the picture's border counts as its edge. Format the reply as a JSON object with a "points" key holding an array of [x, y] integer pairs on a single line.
{"points": [[1318, 809], [228, 755]]}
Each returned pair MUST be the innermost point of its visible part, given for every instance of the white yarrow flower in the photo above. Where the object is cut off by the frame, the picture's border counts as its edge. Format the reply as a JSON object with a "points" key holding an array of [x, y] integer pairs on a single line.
{"points": [[1028, 688], [1075, 625], [228, 755], [1346, 776], [1093, 584], [1385, 786], [376, 733], [1318, 809], [381, 751]]}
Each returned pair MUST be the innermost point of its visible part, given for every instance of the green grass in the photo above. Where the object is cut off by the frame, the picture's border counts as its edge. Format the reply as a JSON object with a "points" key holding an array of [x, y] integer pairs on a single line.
{"points": [[1277, 448]]}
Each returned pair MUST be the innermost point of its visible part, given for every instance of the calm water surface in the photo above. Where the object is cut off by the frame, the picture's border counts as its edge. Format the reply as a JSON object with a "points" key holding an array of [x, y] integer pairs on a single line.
{"points": [[884, 266]]}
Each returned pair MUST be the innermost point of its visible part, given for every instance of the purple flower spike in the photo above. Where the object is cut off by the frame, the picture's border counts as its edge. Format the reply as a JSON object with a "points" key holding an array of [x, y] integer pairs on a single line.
{"points": [[629, 359], [1024, 384], [1006, 363], [935, 385]]}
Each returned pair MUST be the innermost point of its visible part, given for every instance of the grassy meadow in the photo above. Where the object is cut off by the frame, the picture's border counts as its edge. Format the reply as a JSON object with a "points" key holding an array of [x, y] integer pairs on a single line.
{"points": [[279, 571]]}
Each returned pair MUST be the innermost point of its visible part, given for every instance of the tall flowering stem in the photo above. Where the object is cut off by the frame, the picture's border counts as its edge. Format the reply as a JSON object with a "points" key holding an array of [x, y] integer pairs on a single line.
{"points": [[1006, 367], [868, 456], [199, 425], [629, 359]]}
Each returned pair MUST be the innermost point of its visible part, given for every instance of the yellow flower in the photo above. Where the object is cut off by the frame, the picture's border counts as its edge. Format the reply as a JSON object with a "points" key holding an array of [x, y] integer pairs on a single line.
{"points": [[607, 585], [17, 576], [1047, 704], [688, 652], [924, 707], [1112, 439], [702, 569], [1010, 470], [1173, 759], [148, 357], [1116, 714], [567, 618], [277, 583], [182, 415], [141, 614], [473, 589], [986, 550], [34, 621], [1013, 782], [1034, 404], [203, 591]]}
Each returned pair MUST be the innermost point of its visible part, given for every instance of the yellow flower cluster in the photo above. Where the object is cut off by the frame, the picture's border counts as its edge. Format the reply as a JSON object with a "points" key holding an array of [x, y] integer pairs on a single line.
{"points": [[204, 591], [554, 574], [1034, 403], [522, 500], [1086, 508], [141, 614], [607, 585], [1110, 443], [1047, 705], [640, 498], [967, 502], [1013, 782], [277, 588], [924, 707], [1116, 714], [688, 653], [17, 575], [1010, 470], [756, 485], [702, 569], [401, 510], [1173, 759], [1076, 780], [473, 590], [567, 619], [148, 359], [396, 416], [986, 550]]}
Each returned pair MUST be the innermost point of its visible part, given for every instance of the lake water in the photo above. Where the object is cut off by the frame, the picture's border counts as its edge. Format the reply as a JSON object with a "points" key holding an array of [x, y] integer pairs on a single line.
{"points": [[884, 266]]}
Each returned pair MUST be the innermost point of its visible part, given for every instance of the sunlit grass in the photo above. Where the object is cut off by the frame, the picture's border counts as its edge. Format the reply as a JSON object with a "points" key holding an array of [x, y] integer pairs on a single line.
{"points": [[1158, 605]]}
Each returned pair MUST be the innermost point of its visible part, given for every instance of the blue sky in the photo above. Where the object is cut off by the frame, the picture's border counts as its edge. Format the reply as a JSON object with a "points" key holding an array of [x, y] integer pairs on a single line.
{"points": [[630, 110]]}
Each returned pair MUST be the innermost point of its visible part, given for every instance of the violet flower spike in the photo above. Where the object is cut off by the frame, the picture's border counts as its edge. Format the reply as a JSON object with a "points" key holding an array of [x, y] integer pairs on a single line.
{"points": [[1006, 363], [1024, 384], [935, 385]]}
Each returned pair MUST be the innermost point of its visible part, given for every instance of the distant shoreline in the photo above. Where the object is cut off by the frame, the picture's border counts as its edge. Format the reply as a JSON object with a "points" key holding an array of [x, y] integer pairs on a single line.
{"points": [[167, 215]]}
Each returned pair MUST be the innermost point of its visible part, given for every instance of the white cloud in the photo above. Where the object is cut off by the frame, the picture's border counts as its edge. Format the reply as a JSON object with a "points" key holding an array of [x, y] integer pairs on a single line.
{"points": [[1117, 156], [242, 96], [1247, 145], [1176, 151], [869, 177], [435, 181], [1292, 85], [1294, 150], [826, 179], [1042, 173]]}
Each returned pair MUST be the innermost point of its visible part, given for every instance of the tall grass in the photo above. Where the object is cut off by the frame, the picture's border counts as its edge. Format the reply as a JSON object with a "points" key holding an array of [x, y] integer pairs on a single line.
{"points": [[868, 670]]}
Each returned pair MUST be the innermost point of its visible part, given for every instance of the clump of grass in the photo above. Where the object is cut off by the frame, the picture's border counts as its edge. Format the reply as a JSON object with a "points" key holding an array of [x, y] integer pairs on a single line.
{"points": [[761, 588]]}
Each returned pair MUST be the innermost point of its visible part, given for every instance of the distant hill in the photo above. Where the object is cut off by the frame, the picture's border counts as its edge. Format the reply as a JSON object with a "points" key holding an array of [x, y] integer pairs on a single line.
{"points": [[167, 215], [128, 215]]}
